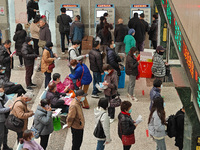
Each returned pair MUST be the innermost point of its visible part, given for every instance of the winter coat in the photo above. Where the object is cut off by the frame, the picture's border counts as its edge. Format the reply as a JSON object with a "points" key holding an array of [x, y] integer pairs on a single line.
{"points": [[28, 54], [158, 68], [43, 121], [105, 39], [179, 128], [77, 30], [46, 61], [3, 110], [120, 32], [5, 82], [60, 87], [19, 39], [113, 59], [45, 33], [131, 67], [86, 79], [100, 112], [140, 26], [156, 128], [5, 59], [74, 54], [30, 7], [111, 79], [31, 145], [75, 118], [96, 60], [21, 111], [129, 42], [99, 28], [154, 93], [125, 125], [35, 30], [55, 99], [153, 32], [63, 21]]}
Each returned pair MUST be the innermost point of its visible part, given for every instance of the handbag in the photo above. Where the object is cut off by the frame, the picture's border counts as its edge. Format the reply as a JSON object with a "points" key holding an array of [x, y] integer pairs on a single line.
{"points": [[13, 123], [128, 139], [98, 131], [78, 81], [56, 123], [41, 43], [115, 102], [69, 82], [51, 66], [66, 28]]}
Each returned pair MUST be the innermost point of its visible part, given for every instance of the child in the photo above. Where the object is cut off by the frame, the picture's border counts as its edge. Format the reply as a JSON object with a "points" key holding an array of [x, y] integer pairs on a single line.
{"points": [[28, 141]]}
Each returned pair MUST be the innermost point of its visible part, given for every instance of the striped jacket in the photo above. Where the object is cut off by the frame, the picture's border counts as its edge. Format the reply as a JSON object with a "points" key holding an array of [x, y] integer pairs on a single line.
{"points": [[158, 68]]}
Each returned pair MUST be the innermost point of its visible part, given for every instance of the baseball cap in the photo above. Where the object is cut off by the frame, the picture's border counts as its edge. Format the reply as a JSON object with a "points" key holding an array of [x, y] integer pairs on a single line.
{"points": [[160, 48], [80, 93]]}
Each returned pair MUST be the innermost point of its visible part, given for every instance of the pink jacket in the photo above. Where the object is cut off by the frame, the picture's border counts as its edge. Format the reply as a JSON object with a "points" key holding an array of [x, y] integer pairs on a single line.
{"points": [[60, 87], [32, 145]]}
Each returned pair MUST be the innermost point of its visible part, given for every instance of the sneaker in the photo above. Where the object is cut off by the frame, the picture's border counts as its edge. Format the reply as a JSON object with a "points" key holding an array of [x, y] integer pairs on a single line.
{"points": [[112, 120], [33, 85], [20, 66], [95, 96], [63, 53], [99, 92], [130, 97], [38, 58], [39, 69], [134, 99], [86, 107], [29, 88]]}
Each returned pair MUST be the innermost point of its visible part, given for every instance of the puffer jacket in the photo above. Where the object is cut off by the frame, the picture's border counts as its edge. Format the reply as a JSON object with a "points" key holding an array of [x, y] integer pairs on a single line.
{"points": [[28, 54], [154, 93], [100, 112], [3, 110], [77, 30], [45, 33], [131, 67], [158, 68], [31, 6], [96, 60], [125, 125], [55, 99], [19, 39], [86, 79], [46, 61], [153, 32], [105, 39], [113, 59], [111, 79], [43, 121], [120, 32], [5, 59], [156, 128]]}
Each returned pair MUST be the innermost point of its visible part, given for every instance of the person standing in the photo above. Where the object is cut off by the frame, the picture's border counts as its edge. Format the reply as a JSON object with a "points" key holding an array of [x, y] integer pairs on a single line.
{"points": [[96, 64], [110, 80], [157, 123], [131, 70], [47, 63], [120, 32], [129, 41], [75, 119], [126, 124], [153, 32], [77, 31], [32, 8], [43, 122], [102, 115], [64, 27], [3, 115], [100, 26], [35, 33], [6, 59], [19, 38], [29, 59], [45, 33]]}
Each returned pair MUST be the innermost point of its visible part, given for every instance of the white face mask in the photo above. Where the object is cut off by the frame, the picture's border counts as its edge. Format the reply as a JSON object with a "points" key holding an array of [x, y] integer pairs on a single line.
{"points": [[73, 67], [1, 94]]}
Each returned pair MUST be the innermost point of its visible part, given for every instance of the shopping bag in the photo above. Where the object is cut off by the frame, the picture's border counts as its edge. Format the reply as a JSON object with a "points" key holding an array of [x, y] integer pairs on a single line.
{"points": [[56, 123]]}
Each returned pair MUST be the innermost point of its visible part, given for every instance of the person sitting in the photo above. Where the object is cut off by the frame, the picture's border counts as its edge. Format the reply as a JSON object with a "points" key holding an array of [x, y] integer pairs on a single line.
{"points": [[61, 88], [56, 98], [10, 87]]}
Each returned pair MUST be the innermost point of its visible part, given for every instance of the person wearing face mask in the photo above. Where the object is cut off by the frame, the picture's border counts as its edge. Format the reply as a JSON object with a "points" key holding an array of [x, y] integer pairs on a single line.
{"points": [[21, 111], [75, 119], [29, 60], [131, 70], [32, 8], [113, 58], [43, 121], [4, 111], [126, 125], [110, 80], [159, 69], [83, 73], [29, 142], [129, 41]]}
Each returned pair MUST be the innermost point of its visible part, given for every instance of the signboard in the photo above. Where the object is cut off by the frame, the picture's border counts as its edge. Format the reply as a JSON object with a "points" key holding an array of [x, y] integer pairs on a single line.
{"points": [[141, 6], [104, 6], [70, 5], [20, 12], [2, 11]]}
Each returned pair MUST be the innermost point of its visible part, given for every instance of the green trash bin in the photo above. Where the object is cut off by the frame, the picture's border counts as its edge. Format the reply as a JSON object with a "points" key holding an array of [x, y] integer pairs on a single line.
{"points": [[56, 123]]}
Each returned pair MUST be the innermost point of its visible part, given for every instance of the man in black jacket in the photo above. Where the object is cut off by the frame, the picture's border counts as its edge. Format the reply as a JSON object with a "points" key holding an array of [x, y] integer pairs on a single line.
{"points": [[64, 27], [153, 32], [96, 64], [120, 32], [29, 56], [32, 8]]}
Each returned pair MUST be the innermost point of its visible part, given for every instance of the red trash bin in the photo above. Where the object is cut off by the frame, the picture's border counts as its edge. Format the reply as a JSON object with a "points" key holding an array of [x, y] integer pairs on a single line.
{"points": [[145, 69]]}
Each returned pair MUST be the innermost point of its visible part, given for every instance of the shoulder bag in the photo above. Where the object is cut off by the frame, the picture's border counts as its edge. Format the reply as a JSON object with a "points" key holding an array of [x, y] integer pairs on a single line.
{"points": [[98, 131], [13, 123], [116, 102], [66, 27], [78, 81], [41, 43]]}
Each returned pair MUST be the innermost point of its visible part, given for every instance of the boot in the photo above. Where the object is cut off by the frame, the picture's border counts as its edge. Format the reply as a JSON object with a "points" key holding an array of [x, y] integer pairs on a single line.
{"points": [[5, 147]]}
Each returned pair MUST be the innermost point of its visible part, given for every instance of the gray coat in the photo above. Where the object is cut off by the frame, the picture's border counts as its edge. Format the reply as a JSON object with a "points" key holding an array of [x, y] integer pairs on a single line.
{"points": [[45, 33], [2, 109], [43, 121]]}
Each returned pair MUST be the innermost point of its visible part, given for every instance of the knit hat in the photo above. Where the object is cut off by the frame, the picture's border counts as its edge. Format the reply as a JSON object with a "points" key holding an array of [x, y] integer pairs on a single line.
{"points": [[28, 39], [131, 31], [81, 93], [160, 48], [49, 44]]}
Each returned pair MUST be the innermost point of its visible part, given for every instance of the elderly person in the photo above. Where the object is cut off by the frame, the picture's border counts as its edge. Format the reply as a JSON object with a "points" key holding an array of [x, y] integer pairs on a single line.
{"points": [[45, 33], [21, 111]]}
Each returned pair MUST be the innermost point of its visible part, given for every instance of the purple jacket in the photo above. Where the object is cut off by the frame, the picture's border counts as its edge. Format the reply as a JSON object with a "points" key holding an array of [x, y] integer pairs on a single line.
{"points": [[32, 145]]}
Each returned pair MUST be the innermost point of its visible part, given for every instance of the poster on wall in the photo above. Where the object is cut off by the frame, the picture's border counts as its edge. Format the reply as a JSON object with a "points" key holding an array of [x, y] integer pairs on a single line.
{"points": [[20, 12], [2, 11]]}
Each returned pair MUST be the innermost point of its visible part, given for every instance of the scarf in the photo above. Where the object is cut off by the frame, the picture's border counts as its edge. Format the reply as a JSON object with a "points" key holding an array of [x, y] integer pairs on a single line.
{"points": [[50, 51], [125, 113]]}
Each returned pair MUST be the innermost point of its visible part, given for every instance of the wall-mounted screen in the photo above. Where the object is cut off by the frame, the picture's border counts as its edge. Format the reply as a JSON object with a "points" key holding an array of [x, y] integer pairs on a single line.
{"points": [[138, 11], [101, 13], [70, 13]]}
